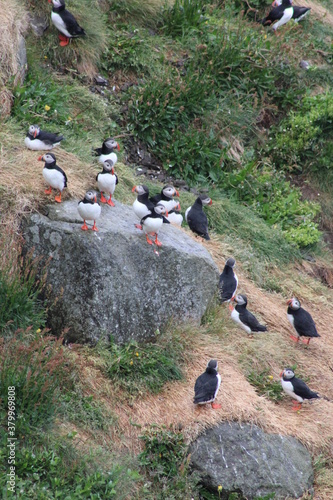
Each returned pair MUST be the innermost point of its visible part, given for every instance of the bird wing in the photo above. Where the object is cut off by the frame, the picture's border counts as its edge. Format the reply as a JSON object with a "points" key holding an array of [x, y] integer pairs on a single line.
{"points": [[304, 324], [251, 321], [227, 287], [72, 25], [198, 222], [63, 173], [302, 390], [155, 199], [204, 388], [97, 151], [275, 15], [50, 138]]}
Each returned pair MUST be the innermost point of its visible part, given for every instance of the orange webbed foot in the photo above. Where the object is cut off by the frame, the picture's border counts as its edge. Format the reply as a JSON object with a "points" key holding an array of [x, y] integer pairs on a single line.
{"points": [[63, 44], [297, 406], [58, 198], [216, 406], [110, 202], [103, 200], [295, 339], [84, 227], [138, 226], [148, 240], [94, 228], [158, 243], [48, 191], [307, 342]]}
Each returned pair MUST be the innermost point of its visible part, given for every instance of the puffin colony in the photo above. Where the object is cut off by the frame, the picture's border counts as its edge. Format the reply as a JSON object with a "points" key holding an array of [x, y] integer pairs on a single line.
{"points": [[164, 208]]}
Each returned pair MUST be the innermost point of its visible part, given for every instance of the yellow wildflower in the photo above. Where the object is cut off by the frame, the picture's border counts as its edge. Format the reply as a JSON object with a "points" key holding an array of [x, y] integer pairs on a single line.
{"points": [[47, 108], [136, 354], [131, 362], [219, 488], [270, 377], [38, 331]]}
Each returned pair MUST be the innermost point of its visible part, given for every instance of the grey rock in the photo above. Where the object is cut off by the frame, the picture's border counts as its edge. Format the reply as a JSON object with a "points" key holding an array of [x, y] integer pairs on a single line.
{"points": [[244, 459], [22, 62], [100, 80], [38, 23], [112, 282]]}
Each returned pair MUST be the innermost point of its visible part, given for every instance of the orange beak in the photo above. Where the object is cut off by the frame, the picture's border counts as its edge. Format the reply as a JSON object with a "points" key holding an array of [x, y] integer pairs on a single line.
{"points": [[289, 301], [112, 171], [210, 203], [274, 4], [40, 158], [178, 207], [177, 192], [134, 189], [50, 1], [118, 147], [281, 374], [166, 214], [95, 199], [35, 134]]}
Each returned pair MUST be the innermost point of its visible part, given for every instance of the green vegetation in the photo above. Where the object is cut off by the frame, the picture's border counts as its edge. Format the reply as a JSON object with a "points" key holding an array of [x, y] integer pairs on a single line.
{"points": [[265, 385], [138, 368]]}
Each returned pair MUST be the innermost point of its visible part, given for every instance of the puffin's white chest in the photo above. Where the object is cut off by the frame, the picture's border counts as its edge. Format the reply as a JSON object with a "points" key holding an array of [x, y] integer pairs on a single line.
{"points": [[89, 211], [37, 144], [168, 204], [288, 388], [106, 183], [59, 24], [152, 225], [291, 319], [54, 178], [287, 15], [175, 218], [235, 317], [111, 156], [186, 213], [218, 376], [140, 209]]}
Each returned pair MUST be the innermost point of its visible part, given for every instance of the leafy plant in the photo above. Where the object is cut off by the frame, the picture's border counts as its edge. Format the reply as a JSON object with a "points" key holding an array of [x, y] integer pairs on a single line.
{"points": [[137, 368], [85, 410], [265, 385], [182, 17], [164, 452]]}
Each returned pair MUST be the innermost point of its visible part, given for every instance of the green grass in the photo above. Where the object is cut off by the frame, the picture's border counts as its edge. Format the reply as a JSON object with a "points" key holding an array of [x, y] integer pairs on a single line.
{"points": [[138, 368]]}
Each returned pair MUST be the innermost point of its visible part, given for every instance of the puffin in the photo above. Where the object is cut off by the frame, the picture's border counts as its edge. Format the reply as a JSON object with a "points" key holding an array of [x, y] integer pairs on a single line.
{"points": [[296, 388], [301, 320], [244, 318], [152, 223], [107, 181], [196, 218], [65, 22], [89, 209], [174, 216], [299, 12], [39, 140], [142, 205], [165, 197], [228, 281], [53, 175], [207, 386], [279, 15], [106, 152]]}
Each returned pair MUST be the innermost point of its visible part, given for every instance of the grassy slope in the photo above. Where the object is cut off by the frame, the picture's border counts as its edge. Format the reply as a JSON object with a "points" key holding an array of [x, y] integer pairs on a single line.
{"points": [[261, 261]]}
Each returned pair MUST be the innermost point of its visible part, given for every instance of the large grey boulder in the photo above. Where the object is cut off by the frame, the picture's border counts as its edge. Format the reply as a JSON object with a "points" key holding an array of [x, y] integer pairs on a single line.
{"points": [[112, 282], [244, 459]]}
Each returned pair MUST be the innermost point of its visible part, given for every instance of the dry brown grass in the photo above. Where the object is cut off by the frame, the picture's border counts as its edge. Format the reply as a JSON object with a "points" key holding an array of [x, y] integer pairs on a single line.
{"points": [[13, 22], [320, 11]]}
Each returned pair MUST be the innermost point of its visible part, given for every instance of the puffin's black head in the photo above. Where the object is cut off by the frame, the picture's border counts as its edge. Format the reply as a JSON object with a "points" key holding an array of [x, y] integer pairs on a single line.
{"points": [[170, 191], [110, 143], [34, 130], [91, 196], [241, 299], [49, 158], [212, 366], [230, 262], [140, 189], [108, 166], [204, 199], [294, 303], [160, 209], [287, 374]]}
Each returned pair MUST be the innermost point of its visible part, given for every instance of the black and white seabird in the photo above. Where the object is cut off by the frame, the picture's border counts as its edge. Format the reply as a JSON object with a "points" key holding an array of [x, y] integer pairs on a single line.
{"points": [[53, 175], [196, 217], [175, 217], [65, 22], [299, 12], [279, 15], [107, 181], [142, 206], [244, 318], [152, 223], [207, 386], [166, 197], [228, 281], [296, 388], [301, 320], [39, 140], [106, 152], [89, 209]]}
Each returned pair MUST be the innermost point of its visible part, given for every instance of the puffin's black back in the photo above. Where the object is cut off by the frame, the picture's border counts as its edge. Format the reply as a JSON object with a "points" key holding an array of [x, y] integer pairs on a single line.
{"points": [[205, 386], [227, 283], [301, 389], [303, 322], [197, 220], [248, 319], [276, 13]]}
